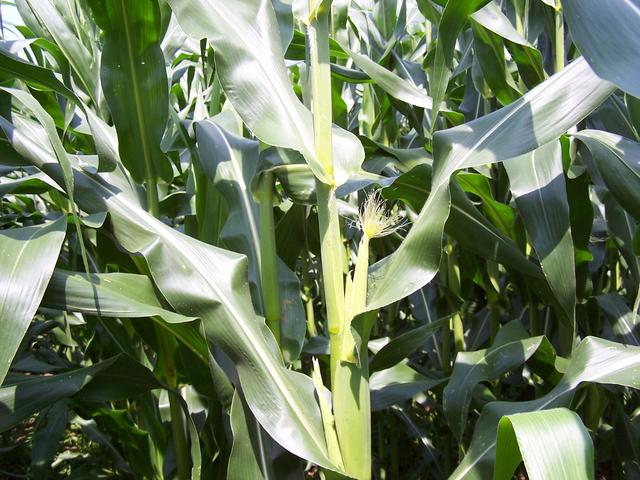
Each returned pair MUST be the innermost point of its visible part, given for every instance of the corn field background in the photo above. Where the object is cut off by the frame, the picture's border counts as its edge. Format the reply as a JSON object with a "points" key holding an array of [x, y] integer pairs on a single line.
{"points": [[339, 239]]}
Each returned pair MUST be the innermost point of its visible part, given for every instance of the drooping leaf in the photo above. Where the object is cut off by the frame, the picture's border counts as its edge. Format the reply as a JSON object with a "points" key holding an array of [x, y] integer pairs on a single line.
{"points": [[601, 28], [537, 182], [553, 444], [133, 74], [397, 384], [209, 283], [231, 162], [252, 72], [29, 256], [539, 117], [594, 360], [510, 349], [617, 160]]}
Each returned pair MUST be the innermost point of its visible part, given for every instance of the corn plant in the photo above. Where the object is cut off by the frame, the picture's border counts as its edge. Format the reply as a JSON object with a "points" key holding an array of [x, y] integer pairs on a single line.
{"points": [[367, 239]]}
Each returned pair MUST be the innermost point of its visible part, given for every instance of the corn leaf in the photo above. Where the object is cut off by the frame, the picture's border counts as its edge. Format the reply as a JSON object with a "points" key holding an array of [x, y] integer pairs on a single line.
{"points": [[29, 256], [553, 444]]}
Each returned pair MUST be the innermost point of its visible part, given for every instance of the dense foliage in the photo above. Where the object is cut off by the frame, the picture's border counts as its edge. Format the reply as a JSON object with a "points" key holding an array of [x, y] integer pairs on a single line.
{"points": [[320, 238]]}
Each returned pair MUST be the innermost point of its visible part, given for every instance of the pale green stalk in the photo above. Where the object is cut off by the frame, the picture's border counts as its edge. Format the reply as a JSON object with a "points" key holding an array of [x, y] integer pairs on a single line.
{"points": [[352, 405], [328, 219], [559, 38], [269, 257], [349, 381]]}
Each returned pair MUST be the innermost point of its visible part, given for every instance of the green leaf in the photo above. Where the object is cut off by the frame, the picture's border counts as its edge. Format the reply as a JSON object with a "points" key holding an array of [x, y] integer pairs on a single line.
{"points": [[553, 444], [252, 72], [539, 117], [454, 17], [124, 295], [79, 57], [511, 349], [617, 160], [600, 28], [465, 223], [526, 56], [29, 256], [391, 83], [133, 74], [490, 54], [202, 281], [243, 459], [401, 346], [537, 182], [231, 162], [625, 322], [397, 384], [594, 360]]}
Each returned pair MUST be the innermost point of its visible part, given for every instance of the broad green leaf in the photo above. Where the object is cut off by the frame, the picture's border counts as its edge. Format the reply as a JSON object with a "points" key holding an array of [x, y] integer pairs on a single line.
{"points": [[465, 223], [31, 184], [209, 283], [537, 182], [252, 72], [403, 345], [490, 54], [511, 349], [526, 56], [231, 162], [617, 159], [29, 256], [121, 295], [454, 17], [79, 57], [40, 77], [116, 378], [554, 444], [391, 83], [243, 459], [539, 117], [125, 295], [605, 33], [133, 74], [397, 384], [625, 322], [594, 360]]}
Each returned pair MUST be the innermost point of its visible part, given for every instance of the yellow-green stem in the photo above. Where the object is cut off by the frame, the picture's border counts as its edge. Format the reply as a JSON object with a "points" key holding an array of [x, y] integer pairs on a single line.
{"points": [[458, 332], [328, 219], [269, 257], [331, 256], [349, 381], [559, 53]]}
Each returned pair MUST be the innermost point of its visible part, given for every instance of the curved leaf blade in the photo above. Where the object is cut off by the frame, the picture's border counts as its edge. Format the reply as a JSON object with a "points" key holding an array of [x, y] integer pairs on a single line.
{"points": [[29, 256], [539, 117], [600, 28], [252, 72], [553, 444]]}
